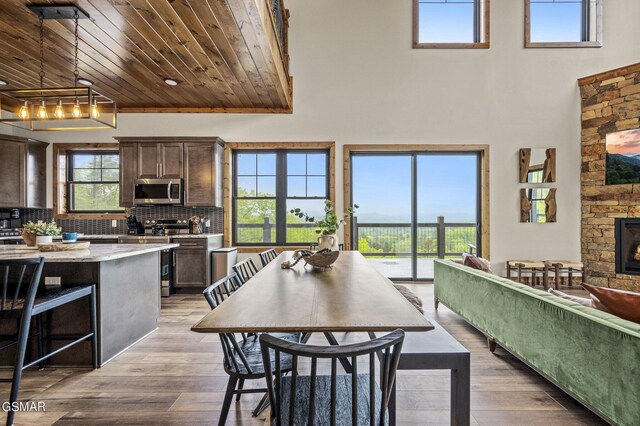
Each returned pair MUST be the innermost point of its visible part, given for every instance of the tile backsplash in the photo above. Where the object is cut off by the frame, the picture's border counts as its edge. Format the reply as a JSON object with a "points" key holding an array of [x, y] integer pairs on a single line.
{"points": [[103, 226]]}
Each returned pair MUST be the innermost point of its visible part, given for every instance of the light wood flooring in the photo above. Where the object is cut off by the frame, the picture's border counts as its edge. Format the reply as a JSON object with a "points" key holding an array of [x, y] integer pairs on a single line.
{"points": [[175, 376]]}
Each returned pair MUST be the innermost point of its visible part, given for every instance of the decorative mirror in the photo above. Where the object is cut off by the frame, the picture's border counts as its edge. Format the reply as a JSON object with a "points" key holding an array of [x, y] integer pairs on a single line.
{"points": [[537, 165], [538, 205]]}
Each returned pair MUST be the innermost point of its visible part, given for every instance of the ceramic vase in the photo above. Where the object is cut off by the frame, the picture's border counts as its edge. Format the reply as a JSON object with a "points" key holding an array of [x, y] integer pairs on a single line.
{"points": [[328, 242], [44, 239]]}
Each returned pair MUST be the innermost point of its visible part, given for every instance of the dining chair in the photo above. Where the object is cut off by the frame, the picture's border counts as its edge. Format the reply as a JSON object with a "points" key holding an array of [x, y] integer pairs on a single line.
{"points": [[330, 399], [245, 269], [242, 358], [267, 256], [32, 302]]}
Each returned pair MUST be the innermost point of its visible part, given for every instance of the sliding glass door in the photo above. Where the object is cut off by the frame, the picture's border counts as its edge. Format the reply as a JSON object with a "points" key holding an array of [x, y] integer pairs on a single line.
{"points": [[415, 207]]}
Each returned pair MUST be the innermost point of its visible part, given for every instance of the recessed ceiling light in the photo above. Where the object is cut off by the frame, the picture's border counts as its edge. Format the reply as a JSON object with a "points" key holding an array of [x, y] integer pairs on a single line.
{"points": [[85, 81], [3, 82], [171, 81]]}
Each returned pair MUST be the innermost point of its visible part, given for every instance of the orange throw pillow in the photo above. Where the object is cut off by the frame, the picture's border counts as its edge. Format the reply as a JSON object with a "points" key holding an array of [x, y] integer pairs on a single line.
{"points": [[621, 303]]}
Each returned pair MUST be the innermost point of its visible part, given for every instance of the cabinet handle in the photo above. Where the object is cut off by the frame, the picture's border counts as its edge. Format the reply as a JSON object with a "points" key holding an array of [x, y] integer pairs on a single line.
{"points": [[188, 244]]}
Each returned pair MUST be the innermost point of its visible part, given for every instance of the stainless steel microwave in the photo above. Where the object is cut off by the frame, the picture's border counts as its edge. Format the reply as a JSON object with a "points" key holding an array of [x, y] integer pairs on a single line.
{"points": [[158, 191]]}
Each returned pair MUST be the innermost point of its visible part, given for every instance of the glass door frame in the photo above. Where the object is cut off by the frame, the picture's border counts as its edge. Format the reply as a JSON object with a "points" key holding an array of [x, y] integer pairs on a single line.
{"points": [[482, 190]]}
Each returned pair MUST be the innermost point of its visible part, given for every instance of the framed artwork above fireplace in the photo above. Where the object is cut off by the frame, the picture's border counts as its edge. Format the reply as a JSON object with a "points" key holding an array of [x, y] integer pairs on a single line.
{"points": [[623, 157]]}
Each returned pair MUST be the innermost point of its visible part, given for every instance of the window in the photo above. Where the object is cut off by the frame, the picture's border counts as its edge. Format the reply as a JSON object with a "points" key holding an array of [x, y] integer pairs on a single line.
{"points": [[451, 23], [93, 182], [267, 185], [563, 23]]}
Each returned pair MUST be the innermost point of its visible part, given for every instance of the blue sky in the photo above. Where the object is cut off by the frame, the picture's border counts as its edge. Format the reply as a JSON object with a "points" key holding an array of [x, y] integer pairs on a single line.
{"points": [[442, 22], [446, 187]]}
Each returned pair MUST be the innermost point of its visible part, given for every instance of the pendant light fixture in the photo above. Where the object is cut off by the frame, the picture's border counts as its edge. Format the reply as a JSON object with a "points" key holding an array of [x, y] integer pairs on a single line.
{"points": [[58, 108]]}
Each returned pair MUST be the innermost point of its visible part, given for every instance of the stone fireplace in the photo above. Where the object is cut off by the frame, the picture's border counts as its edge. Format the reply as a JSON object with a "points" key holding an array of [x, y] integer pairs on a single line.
{"points": [[610, 103], [628, 246]]}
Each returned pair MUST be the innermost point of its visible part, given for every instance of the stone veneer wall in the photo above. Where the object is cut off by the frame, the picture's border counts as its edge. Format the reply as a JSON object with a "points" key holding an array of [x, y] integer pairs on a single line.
{"points": [[610, 103]]}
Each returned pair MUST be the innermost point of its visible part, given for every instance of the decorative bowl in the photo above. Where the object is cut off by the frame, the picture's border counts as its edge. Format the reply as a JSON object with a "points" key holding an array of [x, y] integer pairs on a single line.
{"points": [[322, 260]]}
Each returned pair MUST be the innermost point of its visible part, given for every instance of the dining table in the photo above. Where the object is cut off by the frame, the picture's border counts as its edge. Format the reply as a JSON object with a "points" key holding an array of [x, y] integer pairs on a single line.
{"points": [[350, 296]]}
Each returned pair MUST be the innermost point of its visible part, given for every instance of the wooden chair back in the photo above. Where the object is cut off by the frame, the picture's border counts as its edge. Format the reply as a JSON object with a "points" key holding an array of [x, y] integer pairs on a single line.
{"points": [[234, 358], [267, 256], [14, 274], [245, 269], [387, 347]]}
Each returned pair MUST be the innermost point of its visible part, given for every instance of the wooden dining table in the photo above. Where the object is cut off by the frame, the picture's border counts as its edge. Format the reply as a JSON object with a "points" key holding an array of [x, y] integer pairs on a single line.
{"points": [[351, 296]]}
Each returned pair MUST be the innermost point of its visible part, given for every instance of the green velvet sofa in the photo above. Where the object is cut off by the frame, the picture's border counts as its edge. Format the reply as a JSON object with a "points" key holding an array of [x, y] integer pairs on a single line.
{"points": [[592, 355]]}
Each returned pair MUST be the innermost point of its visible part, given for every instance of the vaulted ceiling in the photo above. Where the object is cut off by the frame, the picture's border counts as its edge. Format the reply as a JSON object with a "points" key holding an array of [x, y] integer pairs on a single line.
{"points": [[225, 54]]}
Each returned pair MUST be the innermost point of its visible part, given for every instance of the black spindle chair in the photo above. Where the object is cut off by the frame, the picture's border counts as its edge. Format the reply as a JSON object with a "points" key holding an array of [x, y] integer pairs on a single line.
{"points": [[245, 269], [242, 358], [353, 398], [267, 256], [23, 304]]}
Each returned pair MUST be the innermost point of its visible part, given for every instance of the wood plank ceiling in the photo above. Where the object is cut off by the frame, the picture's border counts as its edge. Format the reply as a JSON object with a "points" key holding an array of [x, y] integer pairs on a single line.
{"points": [[224, 53]]}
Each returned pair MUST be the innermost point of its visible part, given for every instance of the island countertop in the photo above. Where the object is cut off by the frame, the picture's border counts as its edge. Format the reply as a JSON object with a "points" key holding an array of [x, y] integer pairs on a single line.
{"points": [[95, 252]]}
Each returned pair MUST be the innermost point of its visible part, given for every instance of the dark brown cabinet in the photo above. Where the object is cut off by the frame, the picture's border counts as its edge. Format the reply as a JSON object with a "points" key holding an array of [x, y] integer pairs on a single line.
{"points": [[203, 174], [128, 172], [197, 160], [160, 160], [23, 179], [192, 267]]}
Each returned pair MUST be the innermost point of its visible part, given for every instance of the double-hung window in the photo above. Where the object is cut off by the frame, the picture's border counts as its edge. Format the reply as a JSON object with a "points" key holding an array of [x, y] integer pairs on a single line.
{"points": [[93, 182], [563, 23], [451, 23], [268, 184]]}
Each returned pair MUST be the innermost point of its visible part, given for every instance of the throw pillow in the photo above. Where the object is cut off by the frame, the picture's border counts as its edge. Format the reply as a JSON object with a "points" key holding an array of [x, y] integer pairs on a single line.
{"points": [[621, 303], [410, 296], [476, 262], [581, 300]]}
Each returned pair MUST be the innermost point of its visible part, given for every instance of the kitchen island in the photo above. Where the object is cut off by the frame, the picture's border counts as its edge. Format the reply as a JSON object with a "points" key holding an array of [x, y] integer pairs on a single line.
{"points": [[127, 278]]}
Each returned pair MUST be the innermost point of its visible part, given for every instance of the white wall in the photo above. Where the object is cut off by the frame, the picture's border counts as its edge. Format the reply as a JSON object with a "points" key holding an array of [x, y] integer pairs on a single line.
{"points": [[357, 80]]}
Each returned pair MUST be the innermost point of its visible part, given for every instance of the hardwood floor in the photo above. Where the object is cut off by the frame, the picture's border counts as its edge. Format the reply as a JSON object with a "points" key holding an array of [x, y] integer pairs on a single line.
{"points": [[175, 376]]}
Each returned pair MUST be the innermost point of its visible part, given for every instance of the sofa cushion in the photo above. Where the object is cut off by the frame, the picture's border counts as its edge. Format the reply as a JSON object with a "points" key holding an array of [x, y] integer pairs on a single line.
{"points": [[581, 300], [621, 303], [476, 262]]}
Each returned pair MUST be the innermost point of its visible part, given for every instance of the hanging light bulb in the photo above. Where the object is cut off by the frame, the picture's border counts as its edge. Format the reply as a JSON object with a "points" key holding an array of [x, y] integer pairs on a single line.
{"points": [[95, 113], [23, 113], [59, 111], [76, 111], [42, 111]]}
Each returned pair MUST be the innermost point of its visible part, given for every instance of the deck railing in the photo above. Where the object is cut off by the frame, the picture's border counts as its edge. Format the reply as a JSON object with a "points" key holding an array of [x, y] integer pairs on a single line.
{"points": [[440, 239]]}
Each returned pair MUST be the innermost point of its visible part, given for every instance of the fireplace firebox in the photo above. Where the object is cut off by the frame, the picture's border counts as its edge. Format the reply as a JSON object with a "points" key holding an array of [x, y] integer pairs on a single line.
{"points": [[628, 246]]}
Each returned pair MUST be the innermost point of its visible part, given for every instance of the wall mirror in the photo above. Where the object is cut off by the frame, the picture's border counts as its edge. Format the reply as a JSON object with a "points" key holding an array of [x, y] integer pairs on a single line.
{"points": [[537, 165], [538, 205]]}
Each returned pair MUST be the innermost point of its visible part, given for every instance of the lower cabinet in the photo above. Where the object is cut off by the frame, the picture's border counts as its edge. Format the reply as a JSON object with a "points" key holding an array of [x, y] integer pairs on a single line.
{"points": [[190, 267]]}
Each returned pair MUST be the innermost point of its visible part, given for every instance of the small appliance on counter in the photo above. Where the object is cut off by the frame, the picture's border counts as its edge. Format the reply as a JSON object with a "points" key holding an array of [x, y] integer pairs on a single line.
{"points": [[9, 224], [196, 225], [135, 227]]}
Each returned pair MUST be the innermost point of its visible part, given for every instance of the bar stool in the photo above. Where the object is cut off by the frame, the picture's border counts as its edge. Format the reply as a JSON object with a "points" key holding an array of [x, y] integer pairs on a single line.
{"points": [[564, 267], [532, 268], [32, 303]]}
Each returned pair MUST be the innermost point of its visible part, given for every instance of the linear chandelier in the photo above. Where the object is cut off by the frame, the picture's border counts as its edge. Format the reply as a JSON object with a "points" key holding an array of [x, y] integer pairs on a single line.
{"points": [[57, 108]]}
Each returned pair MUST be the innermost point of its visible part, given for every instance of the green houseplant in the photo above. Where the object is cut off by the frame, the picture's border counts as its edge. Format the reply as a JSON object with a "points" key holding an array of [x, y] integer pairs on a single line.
{"points": [[40, 233], [328, 225]]}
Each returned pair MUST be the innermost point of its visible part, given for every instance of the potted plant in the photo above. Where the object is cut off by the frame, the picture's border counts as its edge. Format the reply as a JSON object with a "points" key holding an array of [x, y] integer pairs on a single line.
{"points": [[40, 233], [327, 226]]}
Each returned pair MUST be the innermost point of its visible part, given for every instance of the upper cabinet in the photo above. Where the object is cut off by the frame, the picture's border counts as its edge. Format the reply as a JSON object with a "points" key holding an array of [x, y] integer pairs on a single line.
{"points": [[160, 160], [198, 161], [23, 179]]}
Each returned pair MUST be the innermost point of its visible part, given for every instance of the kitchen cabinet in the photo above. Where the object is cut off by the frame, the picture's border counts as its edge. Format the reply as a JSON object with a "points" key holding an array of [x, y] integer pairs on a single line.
{"points": [[203, 174], [160, 160], [198, 161], [128, 173], [23, 179], [192, 260]]}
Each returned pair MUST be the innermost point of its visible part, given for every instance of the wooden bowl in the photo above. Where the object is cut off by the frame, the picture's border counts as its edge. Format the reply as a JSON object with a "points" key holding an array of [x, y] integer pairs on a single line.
{"points": [[322, 260]]}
